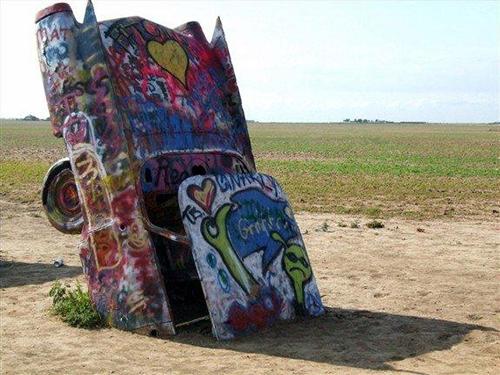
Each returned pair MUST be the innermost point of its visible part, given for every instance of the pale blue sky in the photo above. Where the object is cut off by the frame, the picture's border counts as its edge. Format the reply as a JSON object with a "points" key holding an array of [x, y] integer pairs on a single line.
{"points": [[311, 61]]}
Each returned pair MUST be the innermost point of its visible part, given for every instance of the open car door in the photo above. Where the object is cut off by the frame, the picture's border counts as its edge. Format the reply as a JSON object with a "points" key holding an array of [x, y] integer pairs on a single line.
{"points": [[248, 252]]}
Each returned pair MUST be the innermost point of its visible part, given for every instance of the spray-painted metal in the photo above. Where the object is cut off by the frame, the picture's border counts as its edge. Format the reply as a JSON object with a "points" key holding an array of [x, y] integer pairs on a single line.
{"points": [[176, 224]]}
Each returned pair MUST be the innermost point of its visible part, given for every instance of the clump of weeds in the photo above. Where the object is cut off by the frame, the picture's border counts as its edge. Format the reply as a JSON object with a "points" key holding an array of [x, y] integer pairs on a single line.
{"points": [[375, 224], [73, 306]]}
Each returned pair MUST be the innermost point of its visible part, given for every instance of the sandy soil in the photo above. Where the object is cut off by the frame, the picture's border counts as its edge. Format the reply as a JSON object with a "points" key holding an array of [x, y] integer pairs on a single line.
{"points": [[398, 299]]}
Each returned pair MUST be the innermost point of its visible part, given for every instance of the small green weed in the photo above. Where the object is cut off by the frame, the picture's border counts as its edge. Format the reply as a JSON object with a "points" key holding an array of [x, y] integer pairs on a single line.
{"points": [[74, 306]]}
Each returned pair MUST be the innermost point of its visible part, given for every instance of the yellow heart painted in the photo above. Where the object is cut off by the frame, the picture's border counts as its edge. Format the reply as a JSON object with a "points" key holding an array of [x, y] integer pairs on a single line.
{"points": [[171, 57]]}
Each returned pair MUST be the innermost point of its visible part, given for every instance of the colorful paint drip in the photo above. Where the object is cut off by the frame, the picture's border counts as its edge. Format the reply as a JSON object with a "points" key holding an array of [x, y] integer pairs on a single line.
{"points": [[176, 224]]}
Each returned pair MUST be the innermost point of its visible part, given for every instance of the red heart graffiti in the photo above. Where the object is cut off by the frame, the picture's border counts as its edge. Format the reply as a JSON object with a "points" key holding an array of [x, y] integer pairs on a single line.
{"points": [[204, 195]]}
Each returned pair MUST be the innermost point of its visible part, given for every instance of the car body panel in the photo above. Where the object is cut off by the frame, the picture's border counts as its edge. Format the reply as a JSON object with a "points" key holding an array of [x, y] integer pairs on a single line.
{"points": [[248, 251]]}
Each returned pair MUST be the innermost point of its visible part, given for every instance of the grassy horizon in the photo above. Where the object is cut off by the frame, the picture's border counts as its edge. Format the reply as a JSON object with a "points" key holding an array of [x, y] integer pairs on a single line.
{"points": [[376, 169]]}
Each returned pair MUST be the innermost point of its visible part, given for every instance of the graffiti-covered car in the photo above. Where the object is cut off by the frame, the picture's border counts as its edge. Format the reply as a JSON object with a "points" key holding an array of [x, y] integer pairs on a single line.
{"points": [[176, 224]]}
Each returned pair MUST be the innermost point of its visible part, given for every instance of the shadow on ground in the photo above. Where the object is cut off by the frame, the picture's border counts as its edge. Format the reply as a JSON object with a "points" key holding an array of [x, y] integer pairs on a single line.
{"points": [[19, 273], [355, 338]]}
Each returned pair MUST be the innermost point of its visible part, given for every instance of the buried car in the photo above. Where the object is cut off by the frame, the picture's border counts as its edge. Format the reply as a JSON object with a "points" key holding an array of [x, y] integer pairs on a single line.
{"points": [[176, 224]]}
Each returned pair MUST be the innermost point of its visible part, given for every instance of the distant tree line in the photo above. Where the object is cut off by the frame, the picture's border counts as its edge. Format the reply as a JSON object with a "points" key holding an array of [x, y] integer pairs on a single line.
{"points": [[377, 121], [32, 118], [347, 120], [366, 121]]}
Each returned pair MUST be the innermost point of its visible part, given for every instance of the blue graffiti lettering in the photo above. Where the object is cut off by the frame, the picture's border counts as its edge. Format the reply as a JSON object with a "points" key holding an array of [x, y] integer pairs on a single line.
{"points": [[250, 225]]}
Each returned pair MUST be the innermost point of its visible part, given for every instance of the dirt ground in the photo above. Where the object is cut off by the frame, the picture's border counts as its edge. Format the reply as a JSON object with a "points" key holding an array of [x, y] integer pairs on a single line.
{"points": [[413, 297]]}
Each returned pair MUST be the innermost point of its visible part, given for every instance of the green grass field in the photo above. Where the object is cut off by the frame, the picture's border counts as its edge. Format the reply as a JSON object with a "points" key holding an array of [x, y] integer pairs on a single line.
{"points": [[415, 171]]}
